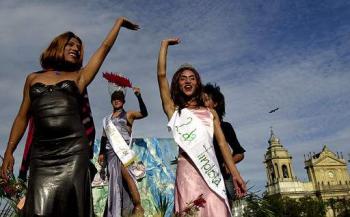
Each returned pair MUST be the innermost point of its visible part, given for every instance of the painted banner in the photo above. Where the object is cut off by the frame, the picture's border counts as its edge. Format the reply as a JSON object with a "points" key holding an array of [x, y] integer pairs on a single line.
{"points": [[156, 189]]}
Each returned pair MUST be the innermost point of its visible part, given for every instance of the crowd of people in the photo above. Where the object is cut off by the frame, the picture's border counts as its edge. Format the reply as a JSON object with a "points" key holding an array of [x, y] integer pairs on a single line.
{"points": [[58, 153]]}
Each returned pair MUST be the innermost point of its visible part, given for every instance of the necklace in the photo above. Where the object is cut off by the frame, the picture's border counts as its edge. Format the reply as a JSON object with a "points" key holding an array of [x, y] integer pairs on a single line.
{"points": [[118, 110]]}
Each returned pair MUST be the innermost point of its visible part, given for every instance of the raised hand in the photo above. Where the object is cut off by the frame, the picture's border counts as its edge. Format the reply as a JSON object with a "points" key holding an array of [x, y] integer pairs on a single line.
{"points": [[128, 24], [171, 41], [136, 90], [167, 102]]}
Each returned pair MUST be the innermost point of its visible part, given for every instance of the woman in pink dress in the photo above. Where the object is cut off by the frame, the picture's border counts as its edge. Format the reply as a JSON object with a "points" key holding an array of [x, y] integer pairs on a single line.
{"points": [[193, 127]]}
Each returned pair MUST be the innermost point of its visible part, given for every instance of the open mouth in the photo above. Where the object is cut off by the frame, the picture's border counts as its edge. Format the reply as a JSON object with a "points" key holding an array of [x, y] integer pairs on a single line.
{"points": [[74, 54], [188, 87]]}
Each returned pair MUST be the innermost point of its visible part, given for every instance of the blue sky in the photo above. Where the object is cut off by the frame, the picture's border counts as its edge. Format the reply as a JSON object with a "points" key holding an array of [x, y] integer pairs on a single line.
{"points": [[294, 55]]}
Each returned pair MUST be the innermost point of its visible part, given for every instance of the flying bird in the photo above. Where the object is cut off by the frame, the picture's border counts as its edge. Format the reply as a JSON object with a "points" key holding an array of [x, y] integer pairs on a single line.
{"points": [[273, 110]]}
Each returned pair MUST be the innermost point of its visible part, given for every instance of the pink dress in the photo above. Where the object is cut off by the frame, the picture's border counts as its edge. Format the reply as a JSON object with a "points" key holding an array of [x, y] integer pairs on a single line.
{"points": [[190, 184]]}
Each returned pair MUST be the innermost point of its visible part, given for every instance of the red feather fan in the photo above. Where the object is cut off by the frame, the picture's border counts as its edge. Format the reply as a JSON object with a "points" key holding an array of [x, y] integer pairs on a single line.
{"points": [[117, 79]]}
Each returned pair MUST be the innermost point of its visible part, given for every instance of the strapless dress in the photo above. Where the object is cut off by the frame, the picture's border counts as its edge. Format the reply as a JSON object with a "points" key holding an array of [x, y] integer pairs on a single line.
{"points": [[59, 179]]}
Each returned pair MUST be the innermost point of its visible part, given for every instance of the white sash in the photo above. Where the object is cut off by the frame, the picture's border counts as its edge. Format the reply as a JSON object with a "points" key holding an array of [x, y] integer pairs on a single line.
{"points": [[197, 141], [120, 147]]}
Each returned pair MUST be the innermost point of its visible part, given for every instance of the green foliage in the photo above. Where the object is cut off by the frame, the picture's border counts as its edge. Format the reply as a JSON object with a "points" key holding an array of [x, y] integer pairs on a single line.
{"points": [[8, 208], [162, 206], [257, 207], [277, 206], [340, 207], [174, 162], [312, 207]]}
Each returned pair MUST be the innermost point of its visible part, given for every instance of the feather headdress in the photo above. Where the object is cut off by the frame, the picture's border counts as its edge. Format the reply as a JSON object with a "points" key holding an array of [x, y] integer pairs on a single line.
{"points": [[116, 82]]}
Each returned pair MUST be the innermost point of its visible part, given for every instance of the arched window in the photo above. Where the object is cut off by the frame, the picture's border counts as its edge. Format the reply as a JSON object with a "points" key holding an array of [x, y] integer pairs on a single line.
{"points": [[272, 173], [285, 171]]}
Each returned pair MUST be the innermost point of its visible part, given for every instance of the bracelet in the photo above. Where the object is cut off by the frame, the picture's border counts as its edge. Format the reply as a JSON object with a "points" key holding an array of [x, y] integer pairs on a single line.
{"points": [[11, 143]]}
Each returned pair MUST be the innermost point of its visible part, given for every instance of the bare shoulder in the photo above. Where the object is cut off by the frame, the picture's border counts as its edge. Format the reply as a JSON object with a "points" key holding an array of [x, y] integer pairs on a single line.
{"points": [[215, 115], [31, 77], [129, 114], [213, 112], [170, 112]]}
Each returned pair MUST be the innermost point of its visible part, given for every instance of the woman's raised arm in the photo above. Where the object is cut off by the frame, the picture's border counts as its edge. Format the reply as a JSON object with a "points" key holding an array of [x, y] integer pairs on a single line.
{"points": [[167, 102], [87, 74]]}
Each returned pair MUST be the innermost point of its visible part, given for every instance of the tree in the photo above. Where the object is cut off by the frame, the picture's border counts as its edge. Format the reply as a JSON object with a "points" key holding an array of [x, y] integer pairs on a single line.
{"points": [[312, 207], [342, 207], [277, 206]]}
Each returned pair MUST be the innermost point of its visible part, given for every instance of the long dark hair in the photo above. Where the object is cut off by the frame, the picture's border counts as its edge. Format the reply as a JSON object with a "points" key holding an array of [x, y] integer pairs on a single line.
{"points": [[215, 94], [53, 55], [179, 98]]}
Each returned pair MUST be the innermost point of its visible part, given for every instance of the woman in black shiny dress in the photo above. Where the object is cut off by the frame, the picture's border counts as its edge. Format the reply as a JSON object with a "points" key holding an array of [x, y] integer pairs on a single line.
{"points": [[59, 179]]}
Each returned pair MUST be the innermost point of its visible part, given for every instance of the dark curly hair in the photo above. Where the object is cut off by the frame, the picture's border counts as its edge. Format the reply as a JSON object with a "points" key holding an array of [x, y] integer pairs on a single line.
{"points": [[53, 56], [215, 94], [179, 98]]}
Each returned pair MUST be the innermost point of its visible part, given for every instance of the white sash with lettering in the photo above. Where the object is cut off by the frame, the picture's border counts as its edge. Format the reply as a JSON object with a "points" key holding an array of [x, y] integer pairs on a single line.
{"points": [[125, 154], [197, 141]]}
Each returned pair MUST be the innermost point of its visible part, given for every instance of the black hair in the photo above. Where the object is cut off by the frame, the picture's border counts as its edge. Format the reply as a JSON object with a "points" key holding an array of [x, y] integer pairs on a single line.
{"points": [[215, 94], [118, 95]]}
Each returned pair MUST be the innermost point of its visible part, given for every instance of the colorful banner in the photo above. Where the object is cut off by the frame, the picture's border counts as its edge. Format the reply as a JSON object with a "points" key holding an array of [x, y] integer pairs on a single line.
{"points": [[156, 188]]}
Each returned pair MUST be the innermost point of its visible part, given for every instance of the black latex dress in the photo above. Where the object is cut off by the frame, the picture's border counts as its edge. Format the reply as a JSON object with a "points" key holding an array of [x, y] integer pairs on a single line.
{"points": [[59, 182]]}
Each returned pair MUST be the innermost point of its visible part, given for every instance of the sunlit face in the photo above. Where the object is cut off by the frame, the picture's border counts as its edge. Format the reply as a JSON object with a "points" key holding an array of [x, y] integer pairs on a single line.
{"points": [[188, 82], [72, 51], [208, 101], [117, 104]]}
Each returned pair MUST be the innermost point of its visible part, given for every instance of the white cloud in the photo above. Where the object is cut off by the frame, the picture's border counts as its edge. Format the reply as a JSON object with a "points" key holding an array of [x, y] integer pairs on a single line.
{"points": [[253, 50]]}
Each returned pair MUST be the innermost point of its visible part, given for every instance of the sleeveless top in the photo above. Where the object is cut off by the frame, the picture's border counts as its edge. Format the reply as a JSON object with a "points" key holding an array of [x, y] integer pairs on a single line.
{"points": [[56, 114], [59, 180], [121, 124]]}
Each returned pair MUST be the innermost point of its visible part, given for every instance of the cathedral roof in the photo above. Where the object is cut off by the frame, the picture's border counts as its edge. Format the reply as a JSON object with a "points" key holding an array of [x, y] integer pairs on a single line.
{"points": [[326, 156], [276, 149], [274, 140]]}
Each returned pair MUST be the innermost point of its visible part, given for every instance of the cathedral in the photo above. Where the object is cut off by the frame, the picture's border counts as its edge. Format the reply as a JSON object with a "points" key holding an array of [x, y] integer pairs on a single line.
{"points": [[327, 173]]}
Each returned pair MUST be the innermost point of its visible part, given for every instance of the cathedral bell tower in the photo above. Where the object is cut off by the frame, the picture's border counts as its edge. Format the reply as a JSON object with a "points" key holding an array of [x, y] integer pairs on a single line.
{"points": [[278, 163]]}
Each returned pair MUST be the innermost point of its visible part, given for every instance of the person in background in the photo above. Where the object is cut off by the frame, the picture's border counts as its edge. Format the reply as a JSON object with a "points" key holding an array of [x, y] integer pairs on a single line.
{"points": [[214, 99], [117, 173]]}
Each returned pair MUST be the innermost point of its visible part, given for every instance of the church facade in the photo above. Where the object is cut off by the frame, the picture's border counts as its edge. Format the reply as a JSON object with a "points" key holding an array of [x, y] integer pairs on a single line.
{"points": [[327, 173]]}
